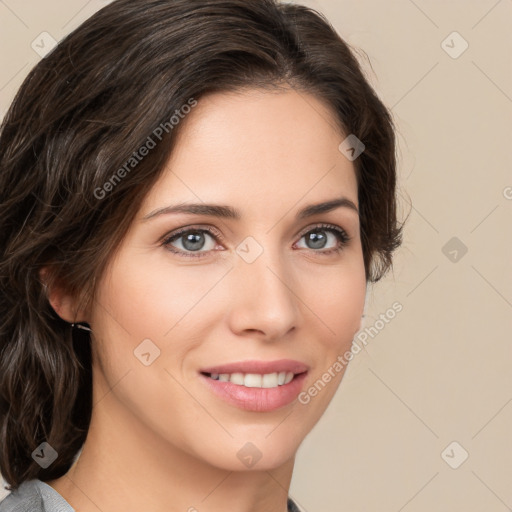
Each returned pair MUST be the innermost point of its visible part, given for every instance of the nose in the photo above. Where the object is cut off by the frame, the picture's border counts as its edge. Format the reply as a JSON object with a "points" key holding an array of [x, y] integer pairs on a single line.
{"points": [[264, 300]]}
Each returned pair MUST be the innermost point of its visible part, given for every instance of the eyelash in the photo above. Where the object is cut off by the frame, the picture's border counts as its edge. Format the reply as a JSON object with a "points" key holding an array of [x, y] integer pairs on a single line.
{"points": [[340, 233]]}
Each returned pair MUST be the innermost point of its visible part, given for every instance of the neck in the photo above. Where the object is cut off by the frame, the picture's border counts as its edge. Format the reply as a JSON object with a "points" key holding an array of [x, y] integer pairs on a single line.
{"points": [[124, 465]]}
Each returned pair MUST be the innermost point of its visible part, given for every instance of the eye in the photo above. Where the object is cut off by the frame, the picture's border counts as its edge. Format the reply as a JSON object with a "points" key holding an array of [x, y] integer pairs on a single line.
{"points": [[192, 241], [317, 238]]}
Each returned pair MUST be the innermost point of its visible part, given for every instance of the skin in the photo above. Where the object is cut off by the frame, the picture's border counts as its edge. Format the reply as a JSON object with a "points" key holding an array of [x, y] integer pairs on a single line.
{"points": [[159, 439]]}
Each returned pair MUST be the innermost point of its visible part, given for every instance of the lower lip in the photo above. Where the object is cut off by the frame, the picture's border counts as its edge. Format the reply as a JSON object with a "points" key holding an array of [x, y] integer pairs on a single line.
{"points": [[257, 399]]}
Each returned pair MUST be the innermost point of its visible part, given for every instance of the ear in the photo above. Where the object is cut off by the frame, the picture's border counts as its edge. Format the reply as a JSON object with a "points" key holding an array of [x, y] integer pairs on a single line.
{"points": [[62, 303]]}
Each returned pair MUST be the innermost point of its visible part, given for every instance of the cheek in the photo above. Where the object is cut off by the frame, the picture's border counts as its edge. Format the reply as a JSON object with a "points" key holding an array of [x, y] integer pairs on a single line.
{"points": [[142, 299], [149, 297], [338, 302], [340, 308], [347, 308]]}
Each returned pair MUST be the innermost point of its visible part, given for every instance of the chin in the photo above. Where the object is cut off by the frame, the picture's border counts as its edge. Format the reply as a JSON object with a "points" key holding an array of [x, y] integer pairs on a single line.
{"points": [[251, 453]]}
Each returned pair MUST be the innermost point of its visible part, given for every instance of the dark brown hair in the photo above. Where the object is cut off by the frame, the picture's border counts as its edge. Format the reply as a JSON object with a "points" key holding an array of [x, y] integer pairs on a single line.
{"points": [[77, 120]]}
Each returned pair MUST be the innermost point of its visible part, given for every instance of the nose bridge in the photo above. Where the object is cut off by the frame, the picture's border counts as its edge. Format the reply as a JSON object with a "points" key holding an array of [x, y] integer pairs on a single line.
{"points": [[265, 298]]}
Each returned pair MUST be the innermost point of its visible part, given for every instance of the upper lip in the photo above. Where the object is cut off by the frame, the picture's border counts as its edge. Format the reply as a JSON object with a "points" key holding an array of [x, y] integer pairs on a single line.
{"points": [[263, 367]]}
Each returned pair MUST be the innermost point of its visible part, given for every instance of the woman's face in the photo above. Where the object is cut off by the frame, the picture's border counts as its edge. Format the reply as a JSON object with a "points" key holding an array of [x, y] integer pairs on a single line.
{"points": [[272, 289]]}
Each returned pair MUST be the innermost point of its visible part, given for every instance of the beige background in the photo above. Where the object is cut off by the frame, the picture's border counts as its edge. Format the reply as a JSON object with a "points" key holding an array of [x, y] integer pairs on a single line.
{"points": [[440, 370]]}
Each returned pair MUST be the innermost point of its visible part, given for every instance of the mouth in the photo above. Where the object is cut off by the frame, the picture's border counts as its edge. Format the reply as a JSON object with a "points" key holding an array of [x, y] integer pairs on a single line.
{"points": [[254, 380], [257, 386]]}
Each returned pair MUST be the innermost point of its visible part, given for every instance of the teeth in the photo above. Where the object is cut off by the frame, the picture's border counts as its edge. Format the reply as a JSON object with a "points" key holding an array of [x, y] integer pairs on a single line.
{"points": [[252, 380], [269, 380], [237, 378], [255, 380], [289, 377]]}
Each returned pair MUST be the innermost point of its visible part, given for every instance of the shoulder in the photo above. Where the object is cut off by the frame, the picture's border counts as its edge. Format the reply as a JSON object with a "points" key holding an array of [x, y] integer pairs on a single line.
{"points": [[34, 496], [25, 498], [292, 506]]}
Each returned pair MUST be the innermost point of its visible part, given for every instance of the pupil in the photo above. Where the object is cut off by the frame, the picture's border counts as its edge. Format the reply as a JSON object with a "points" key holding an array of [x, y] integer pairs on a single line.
{"points": [[193, 241], [318, 241]]}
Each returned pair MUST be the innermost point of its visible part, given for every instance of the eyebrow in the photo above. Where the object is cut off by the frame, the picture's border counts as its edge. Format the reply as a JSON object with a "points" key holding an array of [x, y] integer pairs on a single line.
{"points": [[228, 212]]}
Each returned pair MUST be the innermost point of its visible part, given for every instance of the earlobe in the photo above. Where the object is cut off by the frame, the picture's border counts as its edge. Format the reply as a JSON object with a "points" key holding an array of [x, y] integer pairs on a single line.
{"points": [[62, 303]]}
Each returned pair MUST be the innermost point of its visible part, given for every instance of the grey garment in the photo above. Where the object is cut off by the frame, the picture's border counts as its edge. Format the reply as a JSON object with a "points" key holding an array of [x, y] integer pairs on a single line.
{"points": [[292, 506], [36, 496]]}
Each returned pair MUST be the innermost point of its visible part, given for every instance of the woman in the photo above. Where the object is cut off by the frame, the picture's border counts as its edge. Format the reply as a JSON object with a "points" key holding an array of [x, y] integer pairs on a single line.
{"points": [[194, 197]]}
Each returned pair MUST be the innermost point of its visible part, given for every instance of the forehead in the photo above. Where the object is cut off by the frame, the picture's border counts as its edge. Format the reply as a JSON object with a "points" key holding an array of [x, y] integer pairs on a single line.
{"points": [[239, 148]]}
